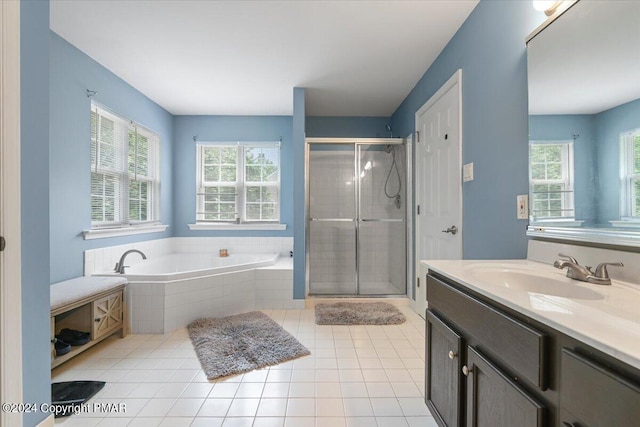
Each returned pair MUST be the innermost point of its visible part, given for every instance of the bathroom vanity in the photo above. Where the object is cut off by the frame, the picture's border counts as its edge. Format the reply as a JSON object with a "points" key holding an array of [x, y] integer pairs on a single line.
{"points": [[515, 343]]}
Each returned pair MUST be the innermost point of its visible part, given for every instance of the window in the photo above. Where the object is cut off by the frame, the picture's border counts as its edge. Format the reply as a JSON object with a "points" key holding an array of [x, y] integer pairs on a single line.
{"points": [[630, 174], [551, 180], [125, 178], [238, 182]]}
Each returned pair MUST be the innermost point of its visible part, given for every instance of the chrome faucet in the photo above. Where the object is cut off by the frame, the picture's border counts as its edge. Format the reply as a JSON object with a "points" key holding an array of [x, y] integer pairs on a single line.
{"points": [[120, 264], [585, 274]]}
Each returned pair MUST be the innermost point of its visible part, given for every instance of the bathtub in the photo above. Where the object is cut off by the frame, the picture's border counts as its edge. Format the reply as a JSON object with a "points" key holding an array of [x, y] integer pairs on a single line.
{"points": [[168, 292], [180, 266]]}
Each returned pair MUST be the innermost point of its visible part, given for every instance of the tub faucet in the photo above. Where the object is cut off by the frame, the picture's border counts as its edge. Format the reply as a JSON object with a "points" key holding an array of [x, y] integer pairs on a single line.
{"points": [[120, 264], [585, 274]]}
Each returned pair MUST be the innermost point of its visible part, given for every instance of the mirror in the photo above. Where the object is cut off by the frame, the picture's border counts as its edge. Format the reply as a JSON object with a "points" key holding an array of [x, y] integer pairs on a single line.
{"points": [[584, 124]]}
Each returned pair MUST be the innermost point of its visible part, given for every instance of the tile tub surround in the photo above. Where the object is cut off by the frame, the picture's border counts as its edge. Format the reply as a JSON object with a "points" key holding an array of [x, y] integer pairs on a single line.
{"points": [[161, 307], [104, 259], [156, 308]]}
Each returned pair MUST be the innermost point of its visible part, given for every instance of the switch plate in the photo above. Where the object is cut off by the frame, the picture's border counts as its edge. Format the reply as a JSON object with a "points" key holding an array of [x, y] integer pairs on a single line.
{"points": [[523, 206], [467, 172]]}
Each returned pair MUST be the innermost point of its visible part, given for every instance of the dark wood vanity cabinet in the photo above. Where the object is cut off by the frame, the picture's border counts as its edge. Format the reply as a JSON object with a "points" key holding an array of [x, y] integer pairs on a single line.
{"points": [[488, 365], [593, 395], [444, 379]]}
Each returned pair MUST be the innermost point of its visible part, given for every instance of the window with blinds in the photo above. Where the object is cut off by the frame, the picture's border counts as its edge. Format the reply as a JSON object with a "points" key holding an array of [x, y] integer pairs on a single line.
{"points": [[551, 180], [630, 175], [238, 182], [125, 171]]}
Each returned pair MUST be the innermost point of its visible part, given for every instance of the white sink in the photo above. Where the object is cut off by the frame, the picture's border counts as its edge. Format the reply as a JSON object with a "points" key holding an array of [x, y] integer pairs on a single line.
{"points": [[534, 281]]}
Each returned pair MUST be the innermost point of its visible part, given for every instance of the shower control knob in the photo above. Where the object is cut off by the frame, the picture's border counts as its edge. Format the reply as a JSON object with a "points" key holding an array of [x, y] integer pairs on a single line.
{"points": [[453, 230]]}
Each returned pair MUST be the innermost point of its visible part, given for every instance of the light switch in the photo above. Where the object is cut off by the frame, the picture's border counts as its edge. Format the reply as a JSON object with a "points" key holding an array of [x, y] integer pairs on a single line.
{"points": [[523, 206], [467, 172]]}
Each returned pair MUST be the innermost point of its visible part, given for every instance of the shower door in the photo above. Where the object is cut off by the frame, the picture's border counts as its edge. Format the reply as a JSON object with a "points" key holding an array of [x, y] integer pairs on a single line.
{"points": [[356, 211], [332, 226], [381, 226]]}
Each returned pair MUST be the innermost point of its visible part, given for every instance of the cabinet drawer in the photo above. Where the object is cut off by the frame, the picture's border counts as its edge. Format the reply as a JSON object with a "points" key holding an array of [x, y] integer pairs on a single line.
{"points": [[509, 341], [593, 396]]}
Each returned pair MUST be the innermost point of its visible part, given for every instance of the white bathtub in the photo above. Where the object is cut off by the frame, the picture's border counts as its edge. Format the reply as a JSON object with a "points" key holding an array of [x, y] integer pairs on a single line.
{"points": [[180, 266], [168, 292]]}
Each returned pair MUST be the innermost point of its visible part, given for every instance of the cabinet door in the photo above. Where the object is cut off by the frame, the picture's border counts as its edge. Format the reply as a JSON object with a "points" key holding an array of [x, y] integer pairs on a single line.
{"points": [[443, 379], [494, 400], [593, 396], [107, 314]]}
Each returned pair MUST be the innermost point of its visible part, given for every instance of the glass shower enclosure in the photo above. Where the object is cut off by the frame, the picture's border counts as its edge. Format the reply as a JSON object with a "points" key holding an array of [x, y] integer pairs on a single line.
{"points": [[356, 217]]}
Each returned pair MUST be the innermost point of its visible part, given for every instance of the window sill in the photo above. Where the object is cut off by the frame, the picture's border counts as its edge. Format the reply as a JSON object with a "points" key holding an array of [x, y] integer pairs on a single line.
{"points": [[230, 226], [630, 223], [101, 233]]}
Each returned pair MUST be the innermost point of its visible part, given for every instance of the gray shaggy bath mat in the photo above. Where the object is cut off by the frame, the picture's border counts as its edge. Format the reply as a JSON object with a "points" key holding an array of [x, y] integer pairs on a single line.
{"points": [[241, 343], [358, 313]]}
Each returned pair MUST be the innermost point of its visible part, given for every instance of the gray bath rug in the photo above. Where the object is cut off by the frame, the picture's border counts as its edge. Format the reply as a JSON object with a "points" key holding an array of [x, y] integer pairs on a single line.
{"points": [[358, 313], [241, 343]]}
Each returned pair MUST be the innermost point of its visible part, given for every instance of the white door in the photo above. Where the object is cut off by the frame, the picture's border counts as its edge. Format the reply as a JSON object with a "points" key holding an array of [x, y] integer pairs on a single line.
{"points": [[438, 181]]}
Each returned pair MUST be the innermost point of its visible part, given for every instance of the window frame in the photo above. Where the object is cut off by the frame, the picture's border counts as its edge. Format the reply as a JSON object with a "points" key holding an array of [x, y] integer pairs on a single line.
{"points": [[123, 176], [567, 199], [628, 177], [240, 184]]}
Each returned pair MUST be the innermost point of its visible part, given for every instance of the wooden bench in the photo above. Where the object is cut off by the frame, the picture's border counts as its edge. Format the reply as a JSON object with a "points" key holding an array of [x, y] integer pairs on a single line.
{"points": [[90, 304]]}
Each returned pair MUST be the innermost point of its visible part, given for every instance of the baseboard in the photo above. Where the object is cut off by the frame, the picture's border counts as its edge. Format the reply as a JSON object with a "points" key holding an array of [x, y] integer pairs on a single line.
{"points": [[47, 422]]}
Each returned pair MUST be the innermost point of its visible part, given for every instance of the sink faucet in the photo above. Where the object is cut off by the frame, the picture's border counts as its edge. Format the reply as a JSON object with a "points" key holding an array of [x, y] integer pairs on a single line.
{"points": [[120, 264], [585, 274]]}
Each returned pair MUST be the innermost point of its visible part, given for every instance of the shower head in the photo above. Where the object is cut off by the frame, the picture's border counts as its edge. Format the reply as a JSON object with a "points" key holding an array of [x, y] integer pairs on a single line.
{"points": [[388, 127]]}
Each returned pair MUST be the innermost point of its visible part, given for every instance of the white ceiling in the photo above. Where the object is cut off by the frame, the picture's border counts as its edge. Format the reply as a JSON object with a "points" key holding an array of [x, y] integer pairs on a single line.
{"points": [[356, 58], [587, 61]]}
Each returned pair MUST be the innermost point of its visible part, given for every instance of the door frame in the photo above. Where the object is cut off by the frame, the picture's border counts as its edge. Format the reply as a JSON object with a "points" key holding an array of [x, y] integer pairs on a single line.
{"points": [[455, 79], [10, 229]]}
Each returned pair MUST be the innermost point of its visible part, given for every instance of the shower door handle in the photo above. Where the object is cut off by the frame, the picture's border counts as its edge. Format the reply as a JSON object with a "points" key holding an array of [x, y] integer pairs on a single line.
{"points": [[453, 230]]}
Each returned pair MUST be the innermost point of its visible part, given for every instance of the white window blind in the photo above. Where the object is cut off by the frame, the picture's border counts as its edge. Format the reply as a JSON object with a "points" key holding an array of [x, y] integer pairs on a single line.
{"points": [[630, 175], [551, 180], [238, 182], [125, 175]]}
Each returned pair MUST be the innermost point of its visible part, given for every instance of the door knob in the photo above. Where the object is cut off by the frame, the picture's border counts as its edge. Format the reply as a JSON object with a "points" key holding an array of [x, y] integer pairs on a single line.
{"points": [[452, 354], [466, 371], [453, 230]]}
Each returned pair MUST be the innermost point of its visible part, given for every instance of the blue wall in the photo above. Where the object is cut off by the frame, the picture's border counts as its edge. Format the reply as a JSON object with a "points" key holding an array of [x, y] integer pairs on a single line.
{"points": [[224, 129], [71, 73], [609, 125], [347, 127], [490, 49], [563, 127], [34, 174]]}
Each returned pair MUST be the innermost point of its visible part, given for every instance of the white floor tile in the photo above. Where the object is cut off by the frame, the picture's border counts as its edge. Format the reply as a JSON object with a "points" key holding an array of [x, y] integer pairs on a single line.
{"points": [[243, 408], [357, 376]]}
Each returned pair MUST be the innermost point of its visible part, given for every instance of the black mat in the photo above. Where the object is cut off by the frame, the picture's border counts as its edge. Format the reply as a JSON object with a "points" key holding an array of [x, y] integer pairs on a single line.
{"points": [[66, 397]]}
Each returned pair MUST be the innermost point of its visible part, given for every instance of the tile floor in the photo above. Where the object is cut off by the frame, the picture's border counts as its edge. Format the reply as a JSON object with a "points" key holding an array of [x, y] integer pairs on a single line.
{"points": [[355, 376]]}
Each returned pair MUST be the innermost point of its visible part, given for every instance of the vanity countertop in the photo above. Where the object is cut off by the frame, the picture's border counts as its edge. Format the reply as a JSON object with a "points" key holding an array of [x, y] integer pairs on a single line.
{"points": [[604, 317]]}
